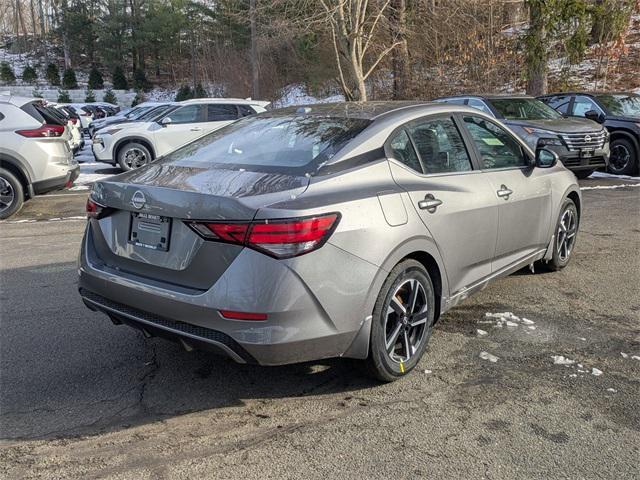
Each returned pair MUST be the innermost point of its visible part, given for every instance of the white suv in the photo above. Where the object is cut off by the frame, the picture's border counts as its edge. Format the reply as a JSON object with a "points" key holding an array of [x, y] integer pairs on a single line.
{"points": [[34, 156], [132, 145]]}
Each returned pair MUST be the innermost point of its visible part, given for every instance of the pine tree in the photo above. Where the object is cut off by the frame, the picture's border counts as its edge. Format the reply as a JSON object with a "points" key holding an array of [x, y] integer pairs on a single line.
{"points": [[6, 73], [96, 81], [200, 92], [53, 74], [63, 96], [118, 79], [139, 98], [36, 93], [69, 79], [140, 81], [29, 74], [184, 93], [90, 96], [110, 97]]}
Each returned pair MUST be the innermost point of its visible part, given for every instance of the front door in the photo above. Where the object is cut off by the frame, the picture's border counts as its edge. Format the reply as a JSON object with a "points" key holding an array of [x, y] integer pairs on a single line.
{"points": [[522, 191], [187, 124], [456, 203]]}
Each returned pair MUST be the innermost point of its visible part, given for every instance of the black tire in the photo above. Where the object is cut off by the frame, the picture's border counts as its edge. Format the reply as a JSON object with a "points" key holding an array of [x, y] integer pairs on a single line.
{"points": [[624, 157], [11, 194], [582, 174], [559, 261], [133, 155], [386, 364]]}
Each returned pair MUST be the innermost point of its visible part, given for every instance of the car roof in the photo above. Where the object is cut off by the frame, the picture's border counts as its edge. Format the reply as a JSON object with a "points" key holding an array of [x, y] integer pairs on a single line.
{"points": [[235, 101], [6, 97], [491, 96], [586, 94], [362, 110]]}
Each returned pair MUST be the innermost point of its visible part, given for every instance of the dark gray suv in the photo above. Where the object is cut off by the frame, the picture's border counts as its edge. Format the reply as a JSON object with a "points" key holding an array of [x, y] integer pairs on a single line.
{"points": [[581, 144]]}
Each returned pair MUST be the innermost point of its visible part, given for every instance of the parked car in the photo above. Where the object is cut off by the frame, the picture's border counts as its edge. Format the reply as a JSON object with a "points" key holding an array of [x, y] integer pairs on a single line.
{"points": [[54, 116], [34, 155], [618, 112], [141, 142], [581, 144], [143, 115], [340, 230], [84, 113], [130, 114]]}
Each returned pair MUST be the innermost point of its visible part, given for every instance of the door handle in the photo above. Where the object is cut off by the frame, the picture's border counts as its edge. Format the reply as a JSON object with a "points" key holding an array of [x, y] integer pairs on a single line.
{"points": [[196, 129], [430, 203], [504, 192]]}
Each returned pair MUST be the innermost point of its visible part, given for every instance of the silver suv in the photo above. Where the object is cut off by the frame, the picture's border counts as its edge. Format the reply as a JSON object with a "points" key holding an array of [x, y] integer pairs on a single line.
{"points": [[339, 230], [35, 157]]}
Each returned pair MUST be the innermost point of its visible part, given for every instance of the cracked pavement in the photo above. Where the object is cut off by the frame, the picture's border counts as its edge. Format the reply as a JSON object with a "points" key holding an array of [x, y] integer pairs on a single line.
{"points": [[82, 398]]}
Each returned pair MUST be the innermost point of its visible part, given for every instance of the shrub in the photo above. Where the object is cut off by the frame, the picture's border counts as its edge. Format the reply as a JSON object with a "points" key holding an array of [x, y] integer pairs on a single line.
{"points": [[29, 74], [6, 73], [63, 96], [139, 98], [184, 93], [69, 79], [96, 82], [119, 80], [110, 97], [200, 92], [90, 97], [53, 74], [140, 81], [36, 93]]}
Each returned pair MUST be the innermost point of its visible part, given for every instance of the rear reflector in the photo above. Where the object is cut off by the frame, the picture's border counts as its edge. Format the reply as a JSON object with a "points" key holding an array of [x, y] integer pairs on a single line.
{"points": [[233, 315], [284, 238], [45, 130]]}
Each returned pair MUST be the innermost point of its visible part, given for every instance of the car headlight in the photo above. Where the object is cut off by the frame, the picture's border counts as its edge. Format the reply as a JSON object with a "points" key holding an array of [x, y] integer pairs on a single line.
{"points": [[98, 140], [555, 141]]}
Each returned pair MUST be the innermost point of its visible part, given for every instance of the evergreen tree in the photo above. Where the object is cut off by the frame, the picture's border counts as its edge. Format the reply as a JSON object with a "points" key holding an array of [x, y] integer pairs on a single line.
{"points": [[90, 96], [118, 79], [200, 92], [110, 97], [69, 79], [63, 96], [29, 74], [140, 81], [96, 81], [6, 73], [53, 74], [36, 93], [184, 93], [139, 98]]}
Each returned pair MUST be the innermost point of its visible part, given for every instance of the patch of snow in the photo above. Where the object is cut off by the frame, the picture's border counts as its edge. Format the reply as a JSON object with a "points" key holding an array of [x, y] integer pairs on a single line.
{"points": [[596, 372], [562, 360], [597, 174], [612, 390], [481, 332], [573, 375], [296, 94], [610, 187], [488, 356], [531, 327], [624, 355], [526, 321], [636, 357], [426, 371], [582, 338]]}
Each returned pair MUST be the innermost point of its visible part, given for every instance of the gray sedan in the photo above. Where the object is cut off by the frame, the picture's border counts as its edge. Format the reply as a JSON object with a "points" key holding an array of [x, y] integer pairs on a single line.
{"points": [[340, 230]]}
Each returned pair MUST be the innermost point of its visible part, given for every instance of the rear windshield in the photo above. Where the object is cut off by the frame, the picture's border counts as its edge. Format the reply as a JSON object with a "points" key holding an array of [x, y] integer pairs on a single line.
{"points": [[622, 105], [31, 109], [51, 115], [293, 145], [524, 109]]}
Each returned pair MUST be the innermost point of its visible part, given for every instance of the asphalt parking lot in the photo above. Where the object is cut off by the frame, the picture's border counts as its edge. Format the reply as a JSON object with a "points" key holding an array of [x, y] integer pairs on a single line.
{"points": [[496, 397]]}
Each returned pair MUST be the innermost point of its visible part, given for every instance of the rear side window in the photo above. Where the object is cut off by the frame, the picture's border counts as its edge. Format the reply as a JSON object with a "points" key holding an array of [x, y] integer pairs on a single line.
{"points": [[245, 110], [188, 114], [496, 147], [455, 101], [440, 146], [221, 113], [582, 105], [559, 103], [403, 151], [480, 105], [284, 144]]}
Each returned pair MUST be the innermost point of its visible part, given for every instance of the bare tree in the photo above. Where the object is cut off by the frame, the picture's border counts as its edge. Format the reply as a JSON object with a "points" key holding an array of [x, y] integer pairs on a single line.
{"points": [[402, 81], [354, 25]]}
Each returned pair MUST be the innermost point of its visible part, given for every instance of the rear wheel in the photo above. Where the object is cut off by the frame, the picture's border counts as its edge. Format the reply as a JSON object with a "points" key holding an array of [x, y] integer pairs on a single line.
{"points": [[565, 237], [11, 194], [582, 174], [623, 159], [133, 155], [403, 317]]}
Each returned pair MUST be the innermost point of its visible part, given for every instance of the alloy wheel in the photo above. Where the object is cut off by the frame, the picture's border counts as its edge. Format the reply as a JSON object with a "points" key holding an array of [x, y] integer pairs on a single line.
{"points": [[406, 320], [567, 230], [7, 195], [135, 158], [620, 157]]}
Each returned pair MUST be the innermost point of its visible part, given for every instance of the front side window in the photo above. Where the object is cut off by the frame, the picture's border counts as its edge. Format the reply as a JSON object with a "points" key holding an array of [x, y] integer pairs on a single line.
{"points": [[524, 109], [497, 148], [440, 146], [246, 110], [559, 103], [284, 144], [480, 105], [188, 114], [623, 105], [582, 105], [221, 113], [402, 150], [154, 113]]}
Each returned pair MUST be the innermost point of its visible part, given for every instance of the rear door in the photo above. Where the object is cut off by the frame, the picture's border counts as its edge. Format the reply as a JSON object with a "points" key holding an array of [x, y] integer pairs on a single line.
{"points": [[219, 115], [187, 124], [456, 202], [522, 191]]}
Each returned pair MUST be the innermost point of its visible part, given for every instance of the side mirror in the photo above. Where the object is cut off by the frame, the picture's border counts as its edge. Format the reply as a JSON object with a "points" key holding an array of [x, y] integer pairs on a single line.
{"points": [[594, 115], [166, 121], [546, 158]]}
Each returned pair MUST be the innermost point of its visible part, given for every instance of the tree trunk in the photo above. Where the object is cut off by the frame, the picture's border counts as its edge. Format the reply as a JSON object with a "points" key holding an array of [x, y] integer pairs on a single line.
{"points": [[43, 34], [402, 81], [536, 50], [598, 27], [255, 79]]}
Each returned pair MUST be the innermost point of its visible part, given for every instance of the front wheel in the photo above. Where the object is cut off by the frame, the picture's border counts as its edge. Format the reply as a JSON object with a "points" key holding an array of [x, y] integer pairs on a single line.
{"points": [[402, 321], [623, 159], [133, 155], [565, 238]]}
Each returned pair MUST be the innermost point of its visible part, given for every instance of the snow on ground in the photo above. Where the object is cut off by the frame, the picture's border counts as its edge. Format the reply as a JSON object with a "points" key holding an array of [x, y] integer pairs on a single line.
{"points": [[90, 170], [296, 94]]}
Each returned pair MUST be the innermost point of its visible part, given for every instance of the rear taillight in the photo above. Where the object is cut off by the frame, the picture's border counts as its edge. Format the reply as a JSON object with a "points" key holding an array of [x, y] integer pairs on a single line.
{"points": [[45, 130], [278, 238], [73, 120], [95, 210]]}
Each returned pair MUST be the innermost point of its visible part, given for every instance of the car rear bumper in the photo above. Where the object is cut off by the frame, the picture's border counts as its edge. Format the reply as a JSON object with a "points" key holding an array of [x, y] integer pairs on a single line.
{"points": [[57, 183]]}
